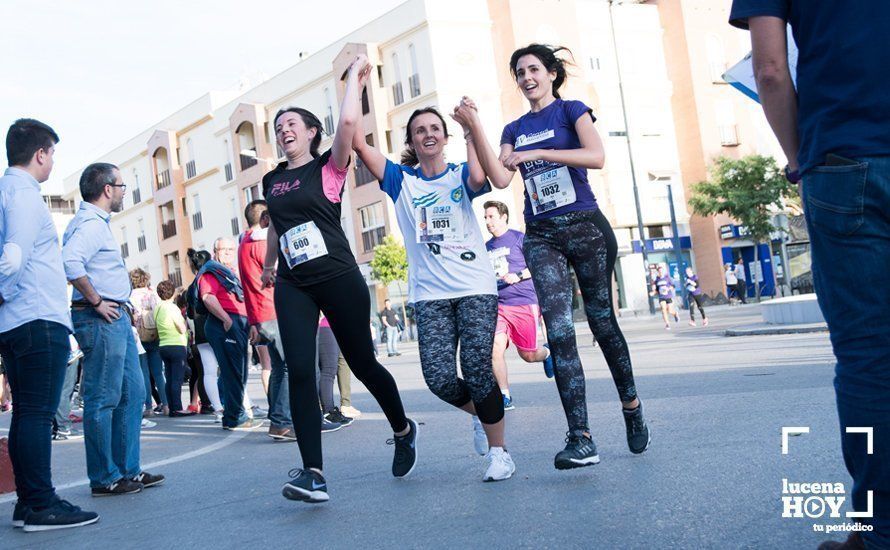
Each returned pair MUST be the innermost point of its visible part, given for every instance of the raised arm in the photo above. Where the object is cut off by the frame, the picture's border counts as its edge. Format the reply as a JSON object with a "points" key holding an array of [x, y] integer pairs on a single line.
{"points": [[483, 155], [590, 155], [769, 47], [350, 112], [372, 158]]}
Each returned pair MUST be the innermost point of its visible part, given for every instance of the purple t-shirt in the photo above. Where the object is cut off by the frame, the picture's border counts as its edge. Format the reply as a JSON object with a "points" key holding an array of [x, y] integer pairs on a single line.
{"points": [[692, 285], [505, 253], [553, 127], [664, 285]]}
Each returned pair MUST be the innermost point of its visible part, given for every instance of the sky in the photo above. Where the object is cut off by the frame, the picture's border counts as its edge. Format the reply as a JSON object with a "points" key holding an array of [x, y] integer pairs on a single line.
{"points": [[99, 72]]}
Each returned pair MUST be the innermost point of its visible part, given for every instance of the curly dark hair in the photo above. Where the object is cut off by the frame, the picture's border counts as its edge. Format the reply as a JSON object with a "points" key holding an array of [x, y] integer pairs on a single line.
{"points": [[166, 289]]}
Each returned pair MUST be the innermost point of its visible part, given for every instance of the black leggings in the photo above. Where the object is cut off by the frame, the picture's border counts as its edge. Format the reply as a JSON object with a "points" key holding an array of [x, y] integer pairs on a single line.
{"points": [[347, 305], [470, 321], [196, 379], [695, 300], [175, 367], [586, 241]]}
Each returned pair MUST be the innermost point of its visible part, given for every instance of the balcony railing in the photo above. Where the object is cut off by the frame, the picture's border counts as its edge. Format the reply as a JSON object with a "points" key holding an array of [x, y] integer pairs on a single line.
{"points": [[398, 97], [141, 244], [190, 170], [197, 221], [373, 237], [414, 84], [137, 196], [176, 278], [163, 179], [125, 250], [248, 160], [229, 175], [235, 228], [168, 229]]}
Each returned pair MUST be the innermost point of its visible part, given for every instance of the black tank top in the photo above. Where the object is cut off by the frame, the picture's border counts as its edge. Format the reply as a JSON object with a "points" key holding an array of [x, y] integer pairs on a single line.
{"points": [[296, 197]]}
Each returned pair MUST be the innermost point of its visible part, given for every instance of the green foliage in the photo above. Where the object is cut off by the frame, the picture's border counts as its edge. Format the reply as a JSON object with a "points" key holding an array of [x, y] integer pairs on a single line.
{"points": [[390, 261], [750, 190]]}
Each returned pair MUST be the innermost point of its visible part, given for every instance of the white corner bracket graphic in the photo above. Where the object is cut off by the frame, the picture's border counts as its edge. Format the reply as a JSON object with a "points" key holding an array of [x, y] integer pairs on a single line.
{"points": [[869, 436], [789, 430]]}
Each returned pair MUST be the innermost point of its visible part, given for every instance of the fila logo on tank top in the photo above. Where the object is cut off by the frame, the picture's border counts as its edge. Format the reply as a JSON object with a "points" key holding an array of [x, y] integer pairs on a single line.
{"points": [[446, 253]]}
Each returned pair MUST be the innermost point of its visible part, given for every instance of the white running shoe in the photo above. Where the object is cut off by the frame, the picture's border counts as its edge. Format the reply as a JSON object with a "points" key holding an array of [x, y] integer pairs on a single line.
{"points": [[146, 423], [480, 440], [500, 465]]}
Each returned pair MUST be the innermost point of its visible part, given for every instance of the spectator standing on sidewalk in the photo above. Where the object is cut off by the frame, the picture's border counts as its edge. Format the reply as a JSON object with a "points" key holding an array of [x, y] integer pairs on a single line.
{"points": [[144, 299], [262, 319], [833, 130], [173, 340], [34, 326], [741, 281], [391, 321], [113, 389]]}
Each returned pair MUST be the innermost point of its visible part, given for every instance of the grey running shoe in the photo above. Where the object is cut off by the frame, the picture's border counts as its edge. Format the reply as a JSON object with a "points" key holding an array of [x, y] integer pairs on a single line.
{"points": [[405, 458], [580, 451], [305, 486], [638, 437]]}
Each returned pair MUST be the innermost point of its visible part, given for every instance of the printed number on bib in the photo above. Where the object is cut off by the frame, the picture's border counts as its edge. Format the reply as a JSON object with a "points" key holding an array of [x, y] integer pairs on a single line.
{"points": [[549, 187], [438, 224], [302, 243], [498, 258]]}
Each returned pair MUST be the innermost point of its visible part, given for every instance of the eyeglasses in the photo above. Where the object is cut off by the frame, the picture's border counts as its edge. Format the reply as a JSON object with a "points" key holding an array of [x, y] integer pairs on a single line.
{"points": [[123, 185]]}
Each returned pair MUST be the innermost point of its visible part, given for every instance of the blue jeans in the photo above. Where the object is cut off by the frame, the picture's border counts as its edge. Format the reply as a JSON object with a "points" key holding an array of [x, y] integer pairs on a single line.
{"points": [[849, 224], [34, 356], [61, 420], [153, 367], [113, 396], [279, 398], [230, 349], [392, 340]]}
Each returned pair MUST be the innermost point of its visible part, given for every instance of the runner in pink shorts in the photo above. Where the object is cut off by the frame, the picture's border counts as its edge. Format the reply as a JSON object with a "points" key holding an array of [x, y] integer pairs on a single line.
{"points": [[518, 312]]}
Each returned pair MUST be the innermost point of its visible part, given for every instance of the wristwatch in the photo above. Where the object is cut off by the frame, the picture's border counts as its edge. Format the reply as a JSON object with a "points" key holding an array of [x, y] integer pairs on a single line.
{"points": [[792, 176], [519, 274]]}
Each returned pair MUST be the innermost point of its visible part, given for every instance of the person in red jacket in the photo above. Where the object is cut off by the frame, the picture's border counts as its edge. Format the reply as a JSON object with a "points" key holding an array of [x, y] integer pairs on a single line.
{"points": [[261, 317]]}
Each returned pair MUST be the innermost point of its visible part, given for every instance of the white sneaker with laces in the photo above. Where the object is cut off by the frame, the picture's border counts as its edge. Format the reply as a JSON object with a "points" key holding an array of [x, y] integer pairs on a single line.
{"points": [[146, 423], [500, 465], [480, 440]]}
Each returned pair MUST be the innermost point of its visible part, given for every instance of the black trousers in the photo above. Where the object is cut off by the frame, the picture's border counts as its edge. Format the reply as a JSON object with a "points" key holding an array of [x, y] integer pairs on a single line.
{"points": [[174, 358]]}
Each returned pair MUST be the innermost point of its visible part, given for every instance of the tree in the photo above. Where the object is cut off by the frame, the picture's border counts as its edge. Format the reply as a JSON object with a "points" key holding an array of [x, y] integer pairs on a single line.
{"points": [[390, 265], [749, 190]]}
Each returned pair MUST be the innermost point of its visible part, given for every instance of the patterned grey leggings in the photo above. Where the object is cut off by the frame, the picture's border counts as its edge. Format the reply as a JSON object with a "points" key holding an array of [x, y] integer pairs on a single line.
{"points": [[471, 321], [586, 241]]}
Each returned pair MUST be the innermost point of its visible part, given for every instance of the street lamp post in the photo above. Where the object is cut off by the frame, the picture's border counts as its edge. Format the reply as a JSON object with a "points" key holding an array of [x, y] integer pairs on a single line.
{"points": [[633, 175], [678, 252]]}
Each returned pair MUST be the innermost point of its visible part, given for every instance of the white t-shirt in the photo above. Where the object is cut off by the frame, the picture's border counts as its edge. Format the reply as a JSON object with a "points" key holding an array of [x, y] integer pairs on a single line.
{"points": [[446, 254]]}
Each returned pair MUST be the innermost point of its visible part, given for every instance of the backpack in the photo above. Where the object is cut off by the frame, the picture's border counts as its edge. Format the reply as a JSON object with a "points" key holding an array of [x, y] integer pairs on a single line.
{"points": [[194, 304], [145, 323]]}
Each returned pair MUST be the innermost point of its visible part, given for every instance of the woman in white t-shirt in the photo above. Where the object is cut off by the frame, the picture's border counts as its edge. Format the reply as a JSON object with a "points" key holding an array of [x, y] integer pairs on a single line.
{"points": [[449, 275]]}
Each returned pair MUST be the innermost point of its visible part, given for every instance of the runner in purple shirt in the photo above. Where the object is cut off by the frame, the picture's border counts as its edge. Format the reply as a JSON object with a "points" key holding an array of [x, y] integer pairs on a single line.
{"points": [[663, 287], [518, 312], [695, 297]]}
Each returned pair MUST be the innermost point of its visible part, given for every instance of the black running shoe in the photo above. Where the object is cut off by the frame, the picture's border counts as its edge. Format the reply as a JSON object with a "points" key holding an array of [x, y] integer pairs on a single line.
{"points": [[405, 458], [18, 515], [305, 486], [123, 486], [638, 438], [60, 515], [149, 480], [580, 451], [338, 417]]}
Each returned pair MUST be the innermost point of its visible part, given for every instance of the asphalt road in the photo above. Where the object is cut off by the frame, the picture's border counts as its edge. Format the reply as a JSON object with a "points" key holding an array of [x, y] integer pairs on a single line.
{"points": [[711, 479]]}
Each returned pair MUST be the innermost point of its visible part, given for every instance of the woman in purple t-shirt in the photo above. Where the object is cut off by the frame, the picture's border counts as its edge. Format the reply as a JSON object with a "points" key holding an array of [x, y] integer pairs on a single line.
{"points": [[553, 146]]}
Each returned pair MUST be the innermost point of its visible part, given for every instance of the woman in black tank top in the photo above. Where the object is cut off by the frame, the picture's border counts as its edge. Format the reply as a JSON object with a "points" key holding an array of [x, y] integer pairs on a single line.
{"points": [[316, 271]]}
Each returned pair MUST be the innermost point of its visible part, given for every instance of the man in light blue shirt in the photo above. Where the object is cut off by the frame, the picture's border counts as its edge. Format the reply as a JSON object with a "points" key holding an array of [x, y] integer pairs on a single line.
{"points": [[34, 326], [113, 389]]}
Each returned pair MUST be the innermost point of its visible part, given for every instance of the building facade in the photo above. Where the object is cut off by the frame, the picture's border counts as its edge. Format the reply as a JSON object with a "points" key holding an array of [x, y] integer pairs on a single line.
{"points": [[190, 175]]}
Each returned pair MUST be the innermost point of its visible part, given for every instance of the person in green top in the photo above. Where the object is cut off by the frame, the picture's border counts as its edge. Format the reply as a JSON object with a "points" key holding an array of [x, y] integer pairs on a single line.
{"points": [[173, 340]]}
